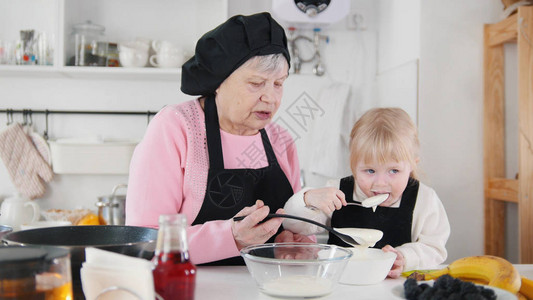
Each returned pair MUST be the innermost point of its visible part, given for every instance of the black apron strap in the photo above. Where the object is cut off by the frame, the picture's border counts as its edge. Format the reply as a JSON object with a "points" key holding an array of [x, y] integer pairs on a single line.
{"points": [[269, 151], [214, 145], [347, 185]]}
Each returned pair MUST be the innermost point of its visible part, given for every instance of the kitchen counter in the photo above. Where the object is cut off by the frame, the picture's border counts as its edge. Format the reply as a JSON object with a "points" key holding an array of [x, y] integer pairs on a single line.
{"points": [[235, 282]]}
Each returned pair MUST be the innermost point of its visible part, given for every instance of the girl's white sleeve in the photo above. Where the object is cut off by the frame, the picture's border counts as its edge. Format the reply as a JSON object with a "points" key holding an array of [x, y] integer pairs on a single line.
{"points": [[429, 234], [296, 206]]}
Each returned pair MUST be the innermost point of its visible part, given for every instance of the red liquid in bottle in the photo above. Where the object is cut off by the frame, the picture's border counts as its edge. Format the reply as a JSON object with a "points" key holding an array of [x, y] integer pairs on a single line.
{"points": [[174, 276]]}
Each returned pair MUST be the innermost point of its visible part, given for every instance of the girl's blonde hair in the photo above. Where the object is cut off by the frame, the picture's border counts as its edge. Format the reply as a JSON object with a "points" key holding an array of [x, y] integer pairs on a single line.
{"points": [[382, 135]]}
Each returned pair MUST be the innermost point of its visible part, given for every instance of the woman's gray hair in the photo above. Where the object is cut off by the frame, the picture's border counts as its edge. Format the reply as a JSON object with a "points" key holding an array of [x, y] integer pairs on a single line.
{"points": [[267, 63]]}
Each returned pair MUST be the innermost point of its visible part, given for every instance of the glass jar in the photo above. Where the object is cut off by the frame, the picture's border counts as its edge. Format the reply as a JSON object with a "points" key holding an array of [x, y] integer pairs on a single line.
{"points": [[25, 48], [87, 42], [174, 274], [28, 272]]}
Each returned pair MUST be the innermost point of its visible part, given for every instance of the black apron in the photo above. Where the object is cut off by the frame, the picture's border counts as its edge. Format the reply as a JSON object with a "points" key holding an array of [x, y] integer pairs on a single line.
{"points": [[396, 223], [230, 190]]}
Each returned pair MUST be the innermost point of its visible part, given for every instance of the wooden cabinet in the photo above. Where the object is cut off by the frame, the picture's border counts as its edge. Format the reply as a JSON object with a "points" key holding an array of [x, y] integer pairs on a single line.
{"points": [[178, 21], [518, 28]]}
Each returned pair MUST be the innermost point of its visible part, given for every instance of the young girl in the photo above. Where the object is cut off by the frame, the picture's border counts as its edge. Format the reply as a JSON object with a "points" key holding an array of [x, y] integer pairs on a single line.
{"points": [[384, 153]]}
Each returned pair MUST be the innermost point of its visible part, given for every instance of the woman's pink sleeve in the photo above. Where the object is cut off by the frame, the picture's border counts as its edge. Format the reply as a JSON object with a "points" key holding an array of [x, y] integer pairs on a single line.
{"points": [[156, 172]]}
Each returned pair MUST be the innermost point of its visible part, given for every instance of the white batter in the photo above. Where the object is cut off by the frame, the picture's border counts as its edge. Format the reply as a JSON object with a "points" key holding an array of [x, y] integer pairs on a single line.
{"points": [[370, 236], [298, 286]]}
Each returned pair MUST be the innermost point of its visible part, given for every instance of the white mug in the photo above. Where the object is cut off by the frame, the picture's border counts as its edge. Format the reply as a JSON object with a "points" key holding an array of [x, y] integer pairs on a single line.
{"points": [[133, 54], [164, 46], [19, 210], [167, 59]]}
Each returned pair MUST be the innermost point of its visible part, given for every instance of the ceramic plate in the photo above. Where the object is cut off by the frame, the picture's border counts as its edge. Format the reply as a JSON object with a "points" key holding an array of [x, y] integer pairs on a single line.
{"points": [[500, 294]]}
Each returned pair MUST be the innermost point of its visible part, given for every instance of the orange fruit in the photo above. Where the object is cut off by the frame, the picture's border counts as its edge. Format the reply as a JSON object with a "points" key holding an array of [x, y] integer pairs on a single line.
{"points": [[90, 219]]}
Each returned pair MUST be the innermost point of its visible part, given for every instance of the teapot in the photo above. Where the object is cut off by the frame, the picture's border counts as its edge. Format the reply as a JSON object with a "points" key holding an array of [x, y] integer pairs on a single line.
{"points": [[18, 210]]}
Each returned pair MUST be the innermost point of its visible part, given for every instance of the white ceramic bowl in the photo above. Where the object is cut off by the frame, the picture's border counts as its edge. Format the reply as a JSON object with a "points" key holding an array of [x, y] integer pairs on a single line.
{"points": [[367, 266], [296, 270], [133, 54]]}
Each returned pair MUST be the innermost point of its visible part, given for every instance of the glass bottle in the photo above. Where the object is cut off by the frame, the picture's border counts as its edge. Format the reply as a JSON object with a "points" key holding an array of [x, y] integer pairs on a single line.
{"points": [[174, 274]]}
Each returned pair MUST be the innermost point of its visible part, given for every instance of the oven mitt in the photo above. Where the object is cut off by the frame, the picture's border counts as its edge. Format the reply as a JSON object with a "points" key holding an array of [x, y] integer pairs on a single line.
{"points": [[25, 165]]}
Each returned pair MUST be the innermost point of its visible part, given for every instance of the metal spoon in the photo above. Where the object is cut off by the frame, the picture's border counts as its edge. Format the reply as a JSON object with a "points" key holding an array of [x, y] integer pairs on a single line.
{"points": [[372, 201], [352, 240]]}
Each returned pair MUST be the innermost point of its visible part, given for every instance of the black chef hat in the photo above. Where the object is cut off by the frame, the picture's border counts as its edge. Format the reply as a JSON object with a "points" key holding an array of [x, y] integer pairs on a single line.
{"points": [[222, 50]]}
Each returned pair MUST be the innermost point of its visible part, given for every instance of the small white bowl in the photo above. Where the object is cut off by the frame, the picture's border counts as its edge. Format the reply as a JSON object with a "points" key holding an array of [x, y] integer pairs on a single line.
{"points": [[367, 266]]}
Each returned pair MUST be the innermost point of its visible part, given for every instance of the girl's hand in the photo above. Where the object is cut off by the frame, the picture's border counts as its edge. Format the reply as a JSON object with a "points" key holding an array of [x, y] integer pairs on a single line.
{"points": [[326, 199], [249, 231], [399, 263]]}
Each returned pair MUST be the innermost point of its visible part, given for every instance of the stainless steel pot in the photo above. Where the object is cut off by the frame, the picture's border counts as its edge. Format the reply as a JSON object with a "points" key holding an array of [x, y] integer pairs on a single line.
{"points": [[112, 208]]}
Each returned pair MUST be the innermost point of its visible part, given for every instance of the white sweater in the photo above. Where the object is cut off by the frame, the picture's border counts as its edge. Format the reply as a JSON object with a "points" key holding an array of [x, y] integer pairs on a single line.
{"points": [[429, 233]]}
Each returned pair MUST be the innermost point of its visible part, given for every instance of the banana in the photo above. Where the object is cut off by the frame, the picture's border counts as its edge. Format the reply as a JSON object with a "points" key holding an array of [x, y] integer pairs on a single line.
{"points": [[526, 289], [486, 269]]}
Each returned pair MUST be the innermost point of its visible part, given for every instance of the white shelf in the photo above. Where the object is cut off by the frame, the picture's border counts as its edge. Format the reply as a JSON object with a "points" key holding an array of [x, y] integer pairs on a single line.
{"points": [[178, 21], [92, 72]]}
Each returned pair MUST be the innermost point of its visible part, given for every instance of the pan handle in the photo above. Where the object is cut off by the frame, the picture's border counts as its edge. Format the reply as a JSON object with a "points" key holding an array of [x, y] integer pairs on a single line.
{"points": [[118, 186]]}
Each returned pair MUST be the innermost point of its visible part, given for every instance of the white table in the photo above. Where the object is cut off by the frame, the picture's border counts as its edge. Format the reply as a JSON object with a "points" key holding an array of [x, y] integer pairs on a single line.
{"points": [[235, 283]]}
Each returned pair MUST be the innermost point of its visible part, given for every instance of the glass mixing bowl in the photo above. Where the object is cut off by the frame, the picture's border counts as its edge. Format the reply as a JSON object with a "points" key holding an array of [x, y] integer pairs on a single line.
{"points": [[296, 270]]}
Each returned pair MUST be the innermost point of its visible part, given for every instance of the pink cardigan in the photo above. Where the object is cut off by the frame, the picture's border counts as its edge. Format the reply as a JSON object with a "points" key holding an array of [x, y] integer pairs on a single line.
{"points": [[168, 174]]}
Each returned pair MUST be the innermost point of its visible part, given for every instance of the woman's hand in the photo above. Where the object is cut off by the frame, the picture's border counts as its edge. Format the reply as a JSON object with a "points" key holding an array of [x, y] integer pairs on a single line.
{"points": [[399, 263], [249, 231], [326, 199], [287, 236]]}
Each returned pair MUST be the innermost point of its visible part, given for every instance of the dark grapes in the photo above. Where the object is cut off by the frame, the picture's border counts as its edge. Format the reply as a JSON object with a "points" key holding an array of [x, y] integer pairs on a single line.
{"points": [[446, 287]]}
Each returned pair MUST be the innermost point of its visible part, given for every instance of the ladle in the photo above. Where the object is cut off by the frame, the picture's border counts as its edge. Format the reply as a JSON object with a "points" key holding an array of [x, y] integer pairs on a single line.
{"points": [[352, 240]]}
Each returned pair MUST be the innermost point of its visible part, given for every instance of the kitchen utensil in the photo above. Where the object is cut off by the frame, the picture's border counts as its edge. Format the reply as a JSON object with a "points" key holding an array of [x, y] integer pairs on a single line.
{"points": [[352, 240], [367, 266], [371, 201], [112, 209], [295, 270], [18, 210], [368, 235], [35, 273], [25, 55], [129, 240], [133, 54], [167, 59], [164, 46]]}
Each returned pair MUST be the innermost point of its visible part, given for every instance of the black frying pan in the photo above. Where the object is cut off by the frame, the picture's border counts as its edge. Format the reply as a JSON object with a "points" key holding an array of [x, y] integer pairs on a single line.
{"points": [[128, 240]]}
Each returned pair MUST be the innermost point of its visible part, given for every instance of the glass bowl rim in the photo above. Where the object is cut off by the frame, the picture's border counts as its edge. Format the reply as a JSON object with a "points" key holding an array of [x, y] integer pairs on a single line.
{"points": [[245, 254]]}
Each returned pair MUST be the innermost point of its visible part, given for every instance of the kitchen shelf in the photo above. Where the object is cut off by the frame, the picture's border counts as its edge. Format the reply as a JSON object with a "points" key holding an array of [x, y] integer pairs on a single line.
{"points": [[92, 72], [518, 29], [178, 21]]}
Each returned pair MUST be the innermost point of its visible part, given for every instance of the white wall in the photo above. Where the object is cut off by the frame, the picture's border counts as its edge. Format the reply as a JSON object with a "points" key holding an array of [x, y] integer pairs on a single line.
{"points": [[398, 55], [451, 111]]}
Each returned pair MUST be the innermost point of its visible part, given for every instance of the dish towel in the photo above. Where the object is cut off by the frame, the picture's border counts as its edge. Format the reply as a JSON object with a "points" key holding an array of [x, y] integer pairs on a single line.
{"points": [[108, 275], [329, 149], [24, 163]]}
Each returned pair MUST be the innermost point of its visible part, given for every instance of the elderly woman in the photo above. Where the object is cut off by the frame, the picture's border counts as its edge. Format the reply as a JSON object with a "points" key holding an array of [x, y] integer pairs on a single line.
{"points": [[219, 156]]}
